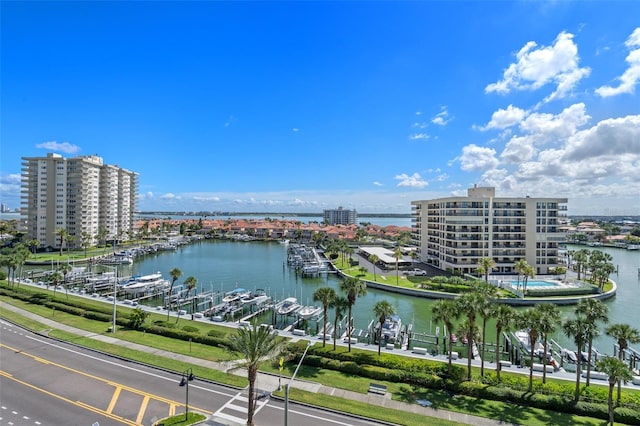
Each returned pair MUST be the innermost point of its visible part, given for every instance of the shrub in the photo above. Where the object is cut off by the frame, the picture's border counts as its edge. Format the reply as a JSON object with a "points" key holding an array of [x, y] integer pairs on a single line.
{"points": [[191, 329]]}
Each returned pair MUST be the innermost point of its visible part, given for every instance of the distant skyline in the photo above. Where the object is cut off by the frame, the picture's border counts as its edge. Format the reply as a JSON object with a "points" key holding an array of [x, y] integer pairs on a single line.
{"points": [[303, 106]]}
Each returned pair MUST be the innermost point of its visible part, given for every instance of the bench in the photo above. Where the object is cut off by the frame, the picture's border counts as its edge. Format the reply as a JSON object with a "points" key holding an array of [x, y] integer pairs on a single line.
{"points": [[455, 355], [420, 351], [505, 363], [377, 389], [298, 332], [540, 367], [390, 346]]}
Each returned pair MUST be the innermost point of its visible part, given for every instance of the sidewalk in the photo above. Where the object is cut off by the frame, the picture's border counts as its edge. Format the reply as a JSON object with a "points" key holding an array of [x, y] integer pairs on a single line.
{"points": [[268, 382]]}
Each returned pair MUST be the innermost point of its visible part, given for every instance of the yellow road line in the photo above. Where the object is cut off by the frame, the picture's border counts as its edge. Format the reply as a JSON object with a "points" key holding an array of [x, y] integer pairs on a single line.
{"points": [[143, 408], [114, 399], [67, 400]]}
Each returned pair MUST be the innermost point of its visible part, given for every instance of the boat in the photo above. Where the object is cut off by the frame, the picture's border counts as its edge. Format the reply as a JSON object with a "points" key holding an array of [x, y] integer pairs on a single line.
{"points": [[100, 282], [288, 306], [257, 297], [391, 328], [235, 295], [116, 259], [307, 312], [145, 283], [453, 338]]}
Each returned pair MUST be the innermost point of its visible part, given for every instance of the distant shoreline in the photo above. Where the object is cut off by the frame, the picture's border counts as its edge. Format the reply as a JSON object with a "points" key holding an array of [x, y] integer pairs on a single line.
{"points": [[265, 214]]}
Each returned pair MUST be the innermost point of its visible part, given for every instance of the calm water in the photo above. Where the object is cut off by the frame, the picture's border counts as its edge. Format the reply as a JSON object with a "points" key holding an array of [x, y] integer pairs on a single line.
{"points": [[225, 265]]}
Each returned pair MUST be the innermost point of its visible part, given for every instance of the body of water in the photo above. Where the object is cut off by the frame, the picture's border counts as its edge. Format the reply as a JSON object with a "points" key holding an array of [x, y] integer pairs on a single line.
{"points": [[225, 265]]}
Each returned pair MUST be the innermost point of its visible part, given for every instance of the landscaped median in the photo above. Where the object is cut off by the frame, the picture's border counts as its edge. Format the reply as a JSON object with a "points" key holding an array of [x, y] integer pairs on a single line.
{"points": [[407, 379]]}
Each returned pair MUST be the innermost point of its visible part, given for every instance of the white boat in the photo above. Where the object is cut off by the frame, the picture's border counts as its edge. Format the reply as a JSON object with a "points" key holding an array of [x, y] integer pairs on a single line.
{"points": [[307, 312], [146, 283], [288, 306], [257, 297], [390, 328], [235, 295], [100, 282]]}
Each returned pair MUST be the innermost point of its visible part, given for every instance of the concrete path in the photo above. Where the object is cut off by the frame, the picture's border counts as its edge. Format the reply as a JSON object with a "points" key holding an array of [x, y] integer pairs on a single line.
{"points": [[267, 382]]}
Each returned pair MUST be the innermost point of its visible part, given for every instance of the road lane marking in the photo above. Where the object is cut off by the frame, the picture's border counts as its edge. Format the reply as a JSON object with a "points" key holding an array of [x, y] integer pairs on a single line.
{"points": [[67, 400], [114, 399], [143, 408]]}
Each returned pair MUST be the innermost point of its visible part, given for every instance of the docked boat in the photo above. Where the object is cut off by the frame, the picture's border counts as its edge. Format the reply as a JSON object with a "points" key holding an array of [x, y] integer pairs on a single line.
{"points": [[103, 281], [235, 295], [390, 328], [307, 312], [145, 283], [257, 297], [288, 306]]}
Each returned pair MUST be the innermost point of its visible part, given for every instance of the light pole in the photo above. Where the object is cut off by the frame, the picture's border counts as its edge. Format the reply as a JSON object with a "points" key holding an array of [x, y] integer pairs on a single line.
{"points": [[187, 376], [286, 386]]}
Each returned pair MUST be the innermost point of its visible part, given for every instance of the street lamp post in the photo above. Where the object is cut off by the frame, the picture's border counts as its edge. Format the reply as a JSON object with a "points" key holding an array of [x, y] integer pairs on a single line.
{"points": [[115, 295], [286, 386], [187, 376]]}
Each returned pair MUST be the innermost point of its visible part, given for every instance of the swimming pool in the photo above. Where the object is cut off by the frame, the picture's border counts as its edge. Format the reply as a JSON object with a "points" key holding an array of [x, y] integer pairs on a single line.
{"points": [[536, 283]]}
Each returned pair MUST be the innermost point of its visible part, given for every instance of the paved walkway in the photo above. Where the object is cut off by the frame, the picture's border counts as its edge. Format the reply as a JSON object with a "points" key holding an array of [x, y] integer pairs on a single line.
{"points": [[267, 382]]}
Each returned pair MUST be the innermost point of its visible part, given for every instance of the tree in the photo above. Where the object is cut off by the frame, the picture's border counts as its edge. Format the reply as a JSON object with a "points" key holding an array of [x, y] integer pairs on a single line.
{"points": [[530, 321], [62, 234], [374, 259], [487, 294], [324, 295], [581, 257], [624, 335], [137, 318], [175, 274], [484, 267], [55, 278], [65, 269], [547, 324], [594, 311], [617, 371], [383, 310], [529, 272], [520, 267], [445, 311], [397, 255], [353, 288], [469, 304], [85, 241], [505, 315], [191, 283], [577, 329], [69, 239], [339, 304], [256, 345]]}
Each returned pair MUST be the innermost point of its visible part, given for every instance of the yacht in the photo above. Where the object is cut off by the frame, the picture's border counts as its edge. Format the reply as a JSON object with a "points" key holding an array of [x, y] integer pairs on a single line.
{"points": [[145, 283], [288, 306], [307, 312], [390, 328], [235, 295]]}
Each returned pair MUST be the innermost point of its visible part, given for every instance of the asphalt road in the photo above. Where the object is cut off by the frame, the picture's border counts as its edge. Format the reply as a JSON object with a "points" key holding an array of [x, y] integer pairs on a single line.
{"points": [[47, 383]]}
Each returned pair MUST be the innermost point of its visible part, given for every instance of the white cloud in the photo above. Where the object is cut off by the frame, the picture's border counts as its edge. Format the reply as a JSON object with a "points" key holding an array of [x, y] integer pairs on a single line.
{"points": [[418, 136], [477, 158], [419, 125], [418, 112], [66, 147], [631, 76], [170, 196], [535, 67], [413, 181], [295, 129], [442, 118], [376, 183], [503, 118]]}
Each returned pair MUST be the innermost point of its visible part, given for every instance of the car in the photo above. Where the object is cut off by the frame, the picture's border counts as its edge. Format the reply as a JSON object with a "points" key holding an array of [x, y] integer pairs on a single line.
{"points": [[417, 272]]}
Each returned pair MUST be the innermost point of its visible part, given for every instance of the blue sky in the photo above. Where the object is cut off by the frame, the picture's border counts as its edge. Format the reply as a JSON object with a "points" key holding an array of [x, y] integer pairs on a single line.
{"points": [[301, 106]]}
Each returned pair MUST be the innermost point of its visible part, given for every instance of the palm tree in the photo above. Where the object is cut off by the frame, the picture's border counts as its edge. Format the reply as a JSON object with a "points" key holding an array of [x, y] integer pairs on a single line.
{"points": [[487, 294], [505, 315], [62, 233], [617, 371], [374, 259], [55, 279], [445, 310], [397, 255], [624, 335], [577, 329], [469, 304], [581, 257], [64, 270], [256, 344], [593, 311], [69, 239], [547, 324], [339, 305], [520, 267], [485, 265], [382, 310], [175, 274], [353, 288], [191, 283], [530, 321], [324, 295], [529, 272]]}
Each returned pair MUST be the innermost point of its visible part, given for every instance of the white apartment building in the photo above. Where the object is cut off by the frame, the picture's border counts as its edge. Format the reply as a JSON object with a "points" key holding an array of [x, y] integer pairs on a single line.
{"points": [[454, 233], [340, 216], [81, 195]]}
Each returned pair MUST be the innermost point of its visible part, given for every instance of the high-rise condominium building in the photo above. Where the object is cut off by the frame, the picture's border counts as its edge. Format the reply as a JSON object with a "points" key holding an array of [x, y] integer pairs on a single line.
{"points": [[454, 233], [90, 200], [340, 216]]}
